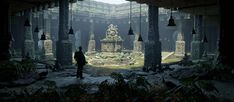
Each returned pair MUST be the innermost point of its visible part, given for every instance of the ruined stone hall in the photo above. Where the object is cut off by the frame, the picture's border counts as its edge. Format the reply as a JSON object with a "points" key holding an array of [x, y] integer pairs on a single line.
{"points": [[134, 51]]}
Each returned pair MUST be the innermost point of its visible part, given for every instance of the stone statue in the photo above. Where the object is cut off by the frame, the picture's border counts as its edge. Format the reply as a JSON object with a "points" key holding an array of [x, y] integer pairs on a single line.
{"points": [[111, 31], [112, 42]]}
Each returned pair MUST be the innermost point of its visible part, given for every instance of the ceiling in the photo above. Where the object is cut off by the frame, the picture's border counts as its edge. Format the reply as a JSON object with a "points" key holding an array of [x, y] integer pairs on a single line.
{"points": [[21, 5], [202, 7]]}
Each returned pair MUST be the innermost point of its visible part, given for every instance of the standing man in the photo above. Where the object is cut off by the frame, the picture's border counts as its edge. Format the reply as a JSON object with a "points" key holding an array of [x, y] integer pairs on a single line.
{"points": [[81, 61]]}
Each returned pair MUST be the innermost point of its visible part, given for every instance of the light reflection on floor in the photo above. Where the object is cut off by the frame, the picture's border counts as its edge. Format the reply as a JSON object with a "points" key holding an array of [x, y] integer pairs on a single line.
{"points": [[167, 57]]}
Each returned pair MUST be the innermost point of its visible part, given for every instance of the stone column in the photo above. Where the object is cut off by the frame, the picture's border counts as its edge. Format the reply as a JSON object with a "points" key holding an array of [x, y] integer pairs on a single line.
{"points": [[47, 53], [152, 59], [36, 34], [5, 39], [92, 43], [63, 45], [28, 47], [180, 43], [196, 44], [77, 39], [226, 54]]}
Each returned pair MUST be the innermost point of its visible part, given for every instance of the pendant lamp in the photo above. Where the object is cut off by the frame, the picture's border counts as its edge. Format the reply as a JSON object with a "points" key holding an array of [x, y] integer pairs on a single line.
{"points": [[43, 36], [36, 30], [130, 31], [140, 38], [171, 20]]}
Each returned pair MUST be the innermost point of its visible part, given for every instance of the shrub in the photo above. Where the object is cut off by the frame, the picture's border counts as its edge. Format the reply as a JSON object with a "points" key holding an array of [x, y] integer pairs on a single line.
{"points": [[12, 70], [9, 71]]}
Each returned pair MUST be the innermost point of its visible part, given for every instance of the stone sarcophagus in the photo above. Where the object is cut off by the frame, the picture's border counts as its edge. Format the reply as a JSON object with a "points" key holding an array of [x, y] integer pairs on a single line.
{"points": [[112, 42]]}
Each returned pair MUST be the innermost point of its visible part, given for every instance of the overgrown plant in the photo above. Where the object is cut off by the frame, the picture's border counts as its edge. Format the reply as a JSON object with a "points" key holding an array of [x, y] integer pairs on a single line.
{"points": [[13, 70]]}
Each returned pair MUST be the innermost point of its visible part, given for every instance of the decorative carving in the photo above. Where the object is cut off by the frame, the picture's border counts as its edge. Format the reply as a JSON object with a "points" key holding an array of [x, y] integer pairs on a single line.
{"points": [[111, 31], [112, 42]]}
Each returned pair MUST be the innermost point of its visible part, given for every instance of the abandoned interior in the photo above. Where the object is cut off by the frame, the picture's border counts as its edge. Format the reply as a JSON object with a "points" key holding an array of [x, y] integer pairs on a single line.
{"points": [[133, 51]]}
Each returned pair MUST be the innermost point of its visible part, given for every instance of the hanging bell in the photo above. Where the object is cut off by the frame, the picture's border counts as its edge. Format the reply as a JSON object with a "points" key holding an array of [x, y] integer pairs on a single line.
{"points": [[140, 38], [171, 22], [193, 31], [71, 31], [36, 29], [205, 39], [27, 23], [130, 31], [43, 36]]}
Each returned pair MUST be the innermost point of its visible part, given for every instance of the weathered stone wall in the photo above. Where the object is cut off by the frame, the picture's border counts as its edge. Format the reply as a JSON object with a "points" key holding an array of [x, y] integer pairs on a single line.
{"points": [[28, 47]]}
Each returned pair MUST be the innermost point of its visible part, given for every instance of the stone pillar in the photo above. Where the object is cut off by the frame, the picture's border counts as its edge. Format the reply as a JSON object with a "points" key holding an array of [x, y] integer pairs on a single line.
{"points": [[92, 43], [28, 47], [180, 43], [196, 44], [63, 45], [226, 54], [5, 39], [36, 34], [153, 56], [12, 44], [77, 39], [47, 51]]}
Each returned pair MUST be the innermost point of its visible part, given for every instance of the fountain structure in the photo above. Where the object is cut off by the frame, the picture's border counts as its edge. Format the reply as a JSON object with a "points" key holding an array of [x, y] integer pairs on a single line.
{"points": [[111, 53], [112, 42]]}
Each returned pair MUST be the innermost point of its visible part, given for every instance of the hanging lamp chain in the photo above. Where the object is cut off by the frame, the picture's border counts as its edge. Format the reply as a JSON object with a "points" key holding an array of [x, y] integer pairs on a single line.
{"points": [[205, 17], [43, 20], [36, 18], [71, 15], [194, 19], [139, 37], [171, 11], [194, 22], [140, 19], [130, 13]]}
